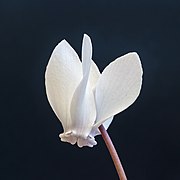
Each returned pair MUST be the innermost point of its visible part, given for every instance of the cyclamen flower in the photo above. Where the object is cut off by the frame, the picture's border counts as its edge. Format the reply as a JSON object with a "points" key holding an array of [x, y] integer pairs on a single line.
{"points": [[83, 98]]}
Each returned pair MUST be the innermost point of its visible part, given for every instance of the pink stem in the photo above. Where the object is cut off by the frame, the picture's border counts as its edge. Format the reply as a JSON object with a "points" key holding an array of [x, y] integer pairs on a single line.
{"points": [[113, 153]]}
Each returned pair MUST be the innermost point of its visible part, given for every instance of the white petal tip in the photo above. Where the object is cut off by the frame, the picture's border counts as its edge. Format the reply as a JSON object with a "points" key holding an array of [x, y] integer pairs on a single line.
{"points": [[86, 38], [132, 55], [61, 46], [63, 42]]}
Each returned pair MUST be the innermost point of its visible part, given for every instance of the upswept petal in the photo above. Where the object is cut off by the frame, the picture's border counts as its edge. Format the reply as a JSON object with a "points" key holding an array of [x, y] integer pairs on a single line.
{"points": [[62, 76], [88, 63], [86, 55], [118, 86], [83, 110], [94, 75], [93, 78]]}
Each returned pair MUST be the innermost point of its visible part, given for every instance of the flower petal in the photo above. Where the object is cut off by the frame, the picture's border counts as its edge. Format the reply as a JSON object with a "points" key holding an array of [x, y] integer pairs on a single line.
{"points": [[62, 76], [118, 86], [90, 69], [94, 75], [83, 110], [86, 54]]}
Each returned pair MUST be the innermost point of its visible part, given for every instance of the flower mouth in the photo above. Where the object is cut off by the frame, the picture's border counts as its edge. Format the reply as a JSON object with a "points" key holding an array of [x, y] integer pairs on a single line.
{"points": [[73, 138]]}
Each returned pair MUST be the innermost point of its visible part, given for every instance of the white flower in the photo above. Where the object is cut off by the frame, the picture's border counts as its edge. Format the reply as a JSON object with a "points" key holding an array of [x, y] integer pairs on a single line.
{"points": [[82, 97]]}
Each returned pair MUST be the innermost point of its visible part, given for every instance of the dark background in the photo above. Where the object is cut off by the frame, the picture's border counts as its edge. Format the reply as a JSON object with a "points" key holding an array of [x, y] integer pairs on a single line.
{"points": [[146, 135]]}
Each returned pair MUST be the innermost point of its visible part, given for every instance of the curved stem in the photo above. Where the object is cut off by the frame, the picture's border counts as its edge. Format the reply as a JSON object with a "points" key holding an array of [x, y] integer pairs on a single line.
{"points": [[113, 153]]}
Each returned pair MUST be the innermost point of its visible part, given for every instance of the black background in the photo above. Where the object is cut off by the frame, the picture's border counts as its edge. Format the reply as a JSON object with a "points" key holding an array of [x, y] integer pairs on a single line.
{"points": [[146, 135]]}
